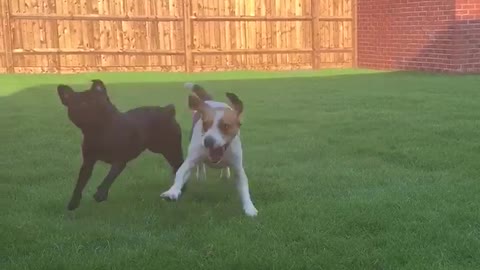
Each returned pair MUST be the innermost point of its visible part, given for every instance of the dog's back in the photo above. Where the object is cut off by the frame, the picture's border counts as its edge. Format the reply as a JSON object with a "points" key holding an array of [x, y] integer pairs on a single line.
{"points": [[154, 123]]}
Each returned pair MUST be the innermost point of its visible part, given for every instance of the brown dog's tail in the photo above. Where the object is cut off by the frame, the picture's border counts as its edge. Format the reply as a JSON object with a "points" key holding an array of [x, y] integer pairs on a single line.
{"points": [[198, 90]]}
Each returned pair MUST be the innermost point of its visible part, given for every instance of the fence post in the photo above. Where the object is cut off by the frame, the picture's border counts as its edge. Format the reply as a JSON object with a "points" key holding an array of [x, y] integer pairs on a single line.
{"points": [[354, 34], [7, 39], [314, 13], [187, 35]]}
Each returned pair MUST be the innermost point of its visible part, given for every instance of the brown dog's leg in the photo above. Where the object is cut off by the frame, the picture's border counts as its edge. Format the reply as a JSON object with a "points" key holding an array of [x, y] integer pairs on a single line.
{"points": [[102, 190], [174, 156], [83, 177]]}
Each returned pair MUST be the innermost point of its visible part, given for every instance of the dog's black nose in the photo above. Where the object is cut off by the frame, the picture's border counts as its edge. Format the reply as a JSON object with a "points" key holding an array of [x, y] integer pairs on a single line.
{"points": [[209, 142]]}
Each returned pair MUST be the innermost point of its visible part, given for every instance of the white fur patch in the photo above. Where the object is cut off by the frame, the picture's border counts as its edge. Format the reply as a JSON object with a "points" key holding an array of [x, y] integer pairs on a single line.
{"points": [[189, 86]]}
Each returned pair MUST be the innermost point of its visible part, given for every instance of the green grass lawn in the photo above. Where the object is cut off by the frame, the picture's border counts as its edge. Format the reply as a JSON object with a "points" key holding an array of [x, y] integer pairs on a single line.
{"points": [[349, 169]]}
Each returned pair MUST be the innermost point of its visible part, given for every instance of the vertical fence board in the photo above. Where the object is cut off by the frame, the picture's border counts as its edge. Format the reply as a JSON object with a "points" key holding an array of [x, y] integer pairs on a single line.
{"points": [[187, 37], [3, 38], [6, 63], [315, 31]]}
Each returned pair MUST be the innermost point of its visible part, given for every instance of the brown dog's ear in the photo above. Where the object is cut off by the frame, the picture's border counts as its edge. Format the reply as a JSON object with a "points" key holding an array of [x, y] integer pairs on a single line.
{"points": [[237, 104], [98, 85], [195, 103], [65, 93]]}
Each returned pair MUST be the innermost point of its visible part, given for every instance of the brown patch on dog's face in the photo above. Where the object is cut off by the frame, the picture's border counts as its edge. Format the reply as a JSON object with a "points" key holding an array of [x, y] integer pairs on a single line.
{"points": [[208, 117], [229, 124]]}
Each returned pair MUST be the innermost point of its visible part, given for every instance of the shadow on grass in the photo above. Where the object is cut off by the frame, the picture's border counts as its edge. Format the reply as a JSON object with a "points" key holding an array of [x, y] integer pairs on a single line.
{"points": [[284, 130]]}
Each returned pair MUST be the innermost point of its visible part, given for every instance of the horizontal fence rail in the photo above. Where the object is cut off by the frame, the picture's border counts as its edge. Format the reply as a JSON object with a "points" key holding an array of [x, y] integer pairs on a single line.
{"points": [[43, 36]]}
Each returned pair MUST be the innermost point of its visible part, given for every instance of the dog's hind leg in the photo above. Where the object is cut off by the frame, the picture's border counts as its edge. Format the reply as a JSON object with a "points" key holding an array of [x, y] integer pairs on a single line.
{"points": [[225, 173], [202, 176], [168, 142], [102, 190], [174, 155], [204, 171], [83, 177], [197, 172]]}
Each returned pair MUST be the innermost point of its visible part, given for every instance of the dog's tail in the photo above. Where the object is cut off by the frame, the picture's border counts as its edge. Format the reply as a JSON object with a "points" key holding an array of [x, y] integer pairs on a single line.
{"points": [[198, 90]]}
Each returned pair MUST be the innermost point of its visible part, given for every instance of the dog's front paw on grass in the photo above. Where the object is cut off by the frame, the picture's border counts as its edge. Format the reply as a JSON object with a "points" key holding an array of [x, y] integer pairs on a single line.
{"points": [[101, 195], [250, 211], [171, 195], [73, 204]]}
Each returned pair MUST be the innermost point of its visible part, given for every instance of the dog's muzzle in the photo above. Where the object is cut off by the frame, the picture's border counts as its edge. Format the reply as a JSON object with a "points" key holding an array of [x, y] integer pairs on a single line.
{"points": [[215, 154], [209, 142]]}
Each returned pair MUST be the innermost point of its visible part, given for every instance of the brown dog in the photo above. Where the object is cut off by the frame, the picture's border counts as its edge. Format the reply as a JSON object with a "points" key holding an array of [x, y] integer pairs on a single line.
{"points": [[115, 137]]}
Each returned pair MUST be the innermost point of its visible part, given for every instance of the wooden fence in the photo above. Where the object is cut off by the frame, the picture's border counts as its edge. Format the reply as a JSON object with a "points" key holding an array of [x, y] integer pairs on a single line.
{"points": [[175, 35]]}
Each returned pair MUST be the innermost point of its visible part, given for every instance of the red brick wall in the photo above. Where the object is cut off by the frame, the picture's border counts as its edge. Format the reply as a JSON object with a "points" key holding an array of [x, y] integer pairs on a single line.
{"points": [[467, 21], [429, 35]]}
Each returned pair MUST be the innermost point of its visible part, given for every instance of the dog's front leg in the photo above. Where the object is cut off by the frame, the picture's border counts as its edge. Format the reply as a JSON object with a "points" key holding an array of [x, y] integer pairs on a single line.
{"points": [[102, 190], [83, 177], [181, 178], [243, 190]]}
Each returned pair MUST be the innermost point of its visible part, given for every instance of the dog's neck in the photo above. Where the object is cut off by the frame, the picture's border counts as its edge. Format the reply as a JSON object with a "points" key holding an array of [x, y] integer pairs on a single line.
{"points": [[102, 123]]}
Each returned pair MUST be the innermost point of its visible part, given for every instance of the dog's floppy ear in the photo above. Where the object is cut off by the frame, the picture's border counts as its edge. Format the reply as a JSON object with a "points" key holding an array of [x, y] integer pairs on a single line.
{"points": [[98, 85], [237, 104], [195, 103], [65, 93]]}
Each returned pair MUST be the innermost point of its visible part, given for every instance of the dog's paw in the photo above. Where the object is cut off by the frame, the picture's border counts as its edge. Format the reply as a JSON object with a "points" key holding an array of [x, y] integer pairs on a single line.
{"points": [[101, 195], [171, 195], [73, 204], [250, 211]]}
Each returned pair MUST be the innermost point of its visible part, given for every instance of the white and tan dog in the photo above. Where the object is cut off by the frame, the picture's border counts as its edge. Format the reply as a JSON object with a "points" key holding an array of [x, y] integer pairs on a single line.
{"points": [[215, 141]]}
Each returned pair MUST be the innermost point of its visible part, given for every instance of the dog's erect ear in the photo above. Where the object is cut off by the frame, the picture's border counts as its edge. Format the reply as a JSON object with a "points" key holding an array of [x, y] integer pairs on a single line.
{"points": [[237, 104], [99, 86], [65, 93], [199, 91], [195, 103]]}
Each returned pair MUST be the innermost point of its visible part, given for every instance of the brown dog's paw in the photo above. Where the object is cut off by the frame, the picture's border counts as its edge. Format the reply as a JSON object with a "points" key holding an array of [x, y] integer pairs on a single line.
{"points": [[73, 204], [101, 195]]}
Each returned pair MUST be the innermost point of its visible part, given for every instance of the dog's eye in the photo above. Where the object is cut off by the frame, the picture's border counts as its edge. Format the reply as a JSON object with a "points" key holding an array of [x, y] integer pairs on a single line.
{"points": [[225, 126]]}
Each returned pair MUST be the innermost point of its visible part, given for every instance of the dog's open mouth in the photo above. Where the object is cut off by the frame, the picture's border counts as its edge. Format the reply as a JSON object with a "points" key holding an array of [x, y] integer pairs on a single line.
{"points": [[216, 154]]}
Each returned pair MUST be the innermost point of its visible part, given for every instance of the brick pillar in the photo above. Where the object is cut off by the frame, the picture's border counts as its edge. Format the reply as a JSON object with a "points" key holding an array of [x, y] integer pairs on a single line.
{"points": [[467, 35]]}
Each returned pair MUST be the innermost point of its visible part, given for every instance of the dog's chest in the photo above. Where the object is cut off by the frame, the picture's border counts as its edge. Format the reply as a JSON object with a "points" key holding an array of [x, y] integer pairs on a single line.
{"points": [[114, 146]]}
